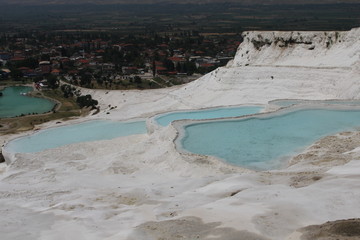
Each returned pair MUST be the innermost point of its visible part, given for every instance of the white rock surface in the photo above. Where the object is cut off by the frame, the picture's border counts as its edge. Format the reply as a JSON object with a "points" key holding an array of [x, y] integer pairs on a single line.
{"points": [[140, 187]]}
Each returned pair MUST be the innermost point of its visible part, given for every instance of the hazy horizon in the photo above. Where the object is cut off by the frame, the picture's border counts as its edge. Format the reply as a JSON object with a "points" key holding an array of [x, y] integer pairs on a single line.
{"points": [[171, 15], [54, 2]]}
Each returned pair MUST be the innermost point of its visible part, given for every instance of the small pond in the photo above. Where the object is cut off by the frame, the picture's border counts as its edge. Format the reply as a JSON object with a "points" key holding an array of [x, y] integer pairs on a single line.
{"points": [[14, 102]]}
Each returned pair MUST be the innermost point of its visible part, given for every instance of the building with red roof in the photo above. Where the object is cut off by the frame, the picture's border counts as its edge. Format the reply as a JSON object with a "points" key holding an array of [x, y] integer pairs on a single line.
{"points": [[55, 72], [45, 67]]}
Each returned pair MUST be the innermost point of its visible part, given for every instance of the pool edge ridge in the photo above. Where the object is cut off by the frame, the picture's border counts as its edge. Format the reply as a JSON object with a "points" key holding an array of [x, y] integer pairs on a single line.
{"points": [[181, 125], [8, 156]]}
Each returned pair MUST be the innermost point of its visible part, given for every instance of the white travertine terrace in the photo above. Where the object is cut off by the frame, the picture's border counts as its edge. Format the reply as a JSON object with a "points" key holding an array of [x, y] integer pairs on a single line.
{"points": [[139, 187]]}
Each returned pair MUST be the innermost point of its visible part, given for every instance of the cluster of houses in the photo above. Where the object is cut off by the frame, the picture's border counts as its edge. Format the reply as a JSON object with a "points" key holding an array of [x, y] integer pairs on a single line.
{"points": [[71, 58]]}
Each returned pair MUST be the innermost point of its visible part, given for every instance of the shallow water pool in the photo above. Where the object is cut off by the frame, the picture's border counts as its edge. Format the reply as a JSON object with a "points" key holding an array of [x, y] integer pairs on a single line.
{"points": [[263, 143], [82, 132], [13, 103], [167, 118], [290, 102]]}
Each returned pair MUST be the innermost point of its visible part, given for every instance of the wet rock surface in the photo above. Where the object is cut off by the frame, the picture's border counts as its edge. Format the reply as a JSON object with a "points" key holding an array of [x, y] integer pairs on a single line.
{"points": [[190, 228], [336, 230]]}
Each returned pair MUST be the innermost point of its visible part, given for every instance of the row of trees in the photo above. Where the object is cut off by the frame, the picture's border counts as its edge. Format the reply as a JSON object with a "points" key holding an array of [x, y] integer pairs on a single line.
{"points": [[187, 67], [81, 100], [86, 101]]}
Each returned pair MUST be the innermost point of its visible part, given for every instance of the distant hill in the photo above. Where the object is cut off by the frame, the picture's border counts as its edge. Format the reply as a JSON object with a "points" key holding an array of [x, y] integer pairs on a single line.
{"points": [[60, 2]]}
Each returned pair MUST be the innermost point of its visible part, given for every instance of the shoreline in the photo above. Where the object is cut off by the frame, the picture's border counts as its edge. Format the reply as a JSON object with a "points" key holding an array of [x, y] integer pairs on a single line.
{"points": [[33, 94], [36, 118]]}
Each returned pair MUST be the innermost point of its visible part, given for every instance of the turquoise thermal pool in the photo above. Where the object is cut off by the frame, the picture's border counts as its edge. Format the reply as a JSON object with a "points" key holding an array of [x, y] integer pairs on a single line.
{"points": [[14, 102], [290, 102], [167, 118], [265, 142], [82, 132]]}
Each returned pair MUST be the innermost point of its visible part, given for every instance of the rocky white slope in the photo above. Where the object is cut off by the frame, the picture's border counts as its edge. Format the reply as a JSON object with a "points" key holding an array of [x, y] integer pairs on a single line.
{"points": [[140, 187], [267, 66], [270, 65]]}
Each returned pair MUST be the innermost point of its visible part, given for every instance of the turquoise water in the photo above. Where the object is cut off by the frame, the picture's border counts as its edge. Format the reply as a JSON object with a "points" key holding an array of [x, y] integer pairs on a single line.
{"points": [[13, 104], [167, 118], [264, 143], [82, 132], [287, 103]]}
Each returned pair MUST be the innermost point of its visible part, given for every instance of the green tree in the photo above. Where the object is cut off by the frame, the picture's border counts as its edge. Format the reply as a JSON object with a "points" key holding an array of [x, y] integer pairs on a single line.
{"points": [[52, 81], [67, 90], [86, 101], [85, 79], [190, 67], [28, 62], [169, 65], [16, 74], [137, 80]]}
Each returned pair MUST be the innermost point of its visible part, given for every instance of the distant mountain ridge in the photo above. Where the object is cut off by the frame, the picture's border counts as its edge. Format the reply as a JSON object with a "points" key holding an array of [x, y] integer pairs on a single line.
{"points": [[66, 2]]}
